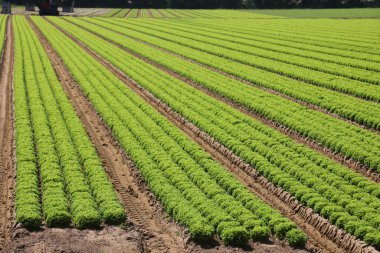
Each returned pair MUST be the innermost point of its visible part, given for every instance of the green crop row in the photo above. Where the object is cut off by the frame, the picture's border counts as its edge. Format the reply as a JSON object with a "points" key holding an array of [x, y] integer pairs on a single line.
{"points": [[335, 35], [345, 36], [197, 13], [111, 13], [156, 13], [133, 13], [122, 14], [272, 52], [167, 13], [347, 199], [177, 13], [28, 209], [187, 13], [349, 140], [53, 149], [192, 187], [3, 28], [288, 30], [296, 67], [144, 13], [355, 109], [295, 74], [266, 36], [273, 44]]}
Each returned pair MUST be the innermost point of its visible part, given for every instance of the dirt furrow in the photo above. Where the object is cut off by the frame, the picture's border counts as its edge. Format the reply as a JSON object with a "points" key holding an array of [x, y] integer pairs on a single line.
{"points": [[142, 209], [113, 15], [353, 165], [172, 12], [127, 14], [323, 235], [7, 165], [150, 13], [159, 11], [97, 13]]}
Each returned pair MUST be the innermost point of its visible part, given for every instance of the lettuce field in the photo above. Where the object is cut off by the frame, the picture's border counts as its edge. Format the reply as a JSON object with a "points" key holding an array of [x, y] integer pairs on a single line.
{"points": [[160, 130]]}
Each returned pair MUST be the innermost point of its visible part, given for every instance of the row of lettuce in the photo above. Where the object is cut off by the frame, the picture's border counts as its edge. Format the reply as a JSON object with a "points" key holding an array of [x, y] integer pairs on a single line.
{"points": [[193, 188], [347, 199], [279, 62], [347, 106], [339, 34], [341, 137], [227, 60], [279, 36], [60, 179], [178, 13], [271, 45], [360, 83], [3, 24], [122, 13], [338, 40]]}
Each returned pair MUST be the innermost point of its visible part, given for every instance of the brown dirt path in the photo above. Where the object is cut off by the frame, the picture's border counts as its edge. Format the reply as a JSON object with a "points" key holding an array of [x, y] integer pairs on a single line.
{"points": [[113, 15], [100, 12], [171, 11], [7, 165], [127, 14], [322, 234], [150, 13], [353, 165], [159, 11], [158, 234]]}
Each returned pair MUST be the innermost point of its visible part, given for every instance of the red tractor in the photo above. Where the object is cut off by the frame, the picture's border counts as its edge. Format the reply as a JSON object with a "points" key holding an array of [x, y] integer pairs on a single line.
{"points": [[49, 7]]}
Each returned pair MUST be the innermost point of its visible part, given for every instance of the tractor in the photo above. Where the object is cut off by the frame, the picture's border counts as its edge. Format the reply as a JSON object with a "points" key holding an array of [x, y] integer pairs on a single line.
{"points": [[6, 7], [49, 7]]}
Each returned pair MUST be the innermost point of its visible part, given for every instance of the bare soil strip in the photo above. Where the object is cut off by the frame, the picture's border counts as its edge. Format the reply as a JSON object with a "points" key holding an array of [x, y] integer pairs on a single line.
{"points": [[138, 13], [127, 14], [322, 234], [7, 165], [158, 234], [172, 12], [80, 12], [150, 13], [159, 11], [113, 15], [348, 162], [92, 12], [98, 13]]}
